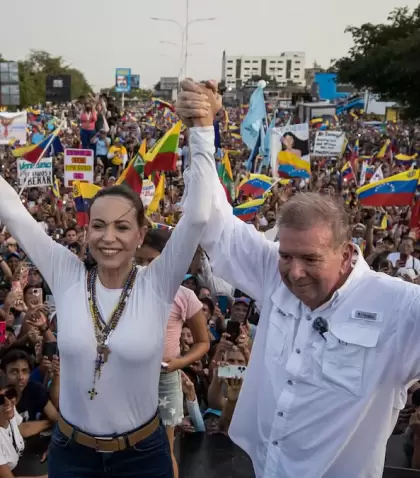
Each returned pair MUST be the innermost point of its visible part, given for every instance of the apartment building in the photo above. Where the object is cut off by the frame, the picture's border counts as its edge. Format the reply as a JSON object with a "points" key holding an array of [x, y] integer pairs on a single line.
{"points": [[286, 67]]}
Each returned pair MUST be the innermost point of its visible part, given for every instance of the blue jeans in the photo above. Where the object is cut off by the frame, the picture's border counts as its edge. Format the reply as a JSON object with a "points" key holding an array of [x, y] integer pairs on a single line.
{"points": [[85, 136], [150, 458]]}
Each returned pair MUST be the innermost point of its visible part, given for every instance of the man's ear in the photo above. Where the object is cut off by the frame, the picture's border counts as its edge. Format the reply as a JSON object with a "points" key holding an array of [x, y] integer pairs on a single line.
{"points": [[347, 257]]}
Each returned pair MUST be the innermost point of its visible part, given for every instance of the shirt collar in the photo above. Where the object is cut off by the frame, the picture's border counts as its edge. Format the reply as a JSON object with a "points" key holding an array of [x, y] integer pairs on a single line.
{"points": [[289, 304]]}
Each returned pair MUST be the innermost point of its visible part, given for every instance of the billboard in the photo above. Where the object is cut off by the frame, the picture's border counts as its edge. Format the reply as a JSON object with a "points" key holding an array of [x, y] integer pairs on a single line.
{"points": [[13, 127], [135, 82], [123, 80], [168, 83], [58, 88], [9, 84]]}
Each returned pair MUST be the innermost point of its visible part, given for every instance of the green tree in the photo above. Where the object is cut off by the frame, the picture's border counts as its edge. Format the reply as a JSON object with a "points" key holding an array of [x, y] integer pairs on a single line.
{"points": [[384, 58], [33, 72]]}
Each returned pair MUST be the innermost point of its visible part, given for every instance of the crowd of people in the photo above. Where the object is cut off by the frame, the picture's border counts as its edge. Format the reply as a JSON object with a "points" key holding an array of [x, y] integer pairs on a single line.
{"points": [[188, 332]]}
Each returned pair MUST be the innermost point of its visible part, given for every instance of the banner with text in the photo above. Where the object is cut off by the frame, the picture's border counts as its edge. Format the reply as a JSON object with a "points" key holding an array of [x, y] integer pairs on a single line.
{"points": [[78, 166], [13, 128], [147, 192], [39, 176], [329, 143]]}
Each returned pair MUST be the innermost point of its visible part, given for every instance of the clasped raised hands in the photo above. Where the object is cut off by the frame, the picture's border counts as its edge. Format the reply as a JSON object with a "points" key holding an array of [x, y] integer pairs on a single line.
{"points": [[198, 103]]}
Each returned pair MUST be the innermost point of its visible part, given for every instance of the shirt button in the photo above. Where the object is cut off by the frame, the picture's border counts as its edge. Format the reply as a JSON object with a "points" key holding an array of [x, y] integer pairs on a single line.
{"points": [[290, 382], [280, 414], [275, 442], [308, 317], [298, 351]]}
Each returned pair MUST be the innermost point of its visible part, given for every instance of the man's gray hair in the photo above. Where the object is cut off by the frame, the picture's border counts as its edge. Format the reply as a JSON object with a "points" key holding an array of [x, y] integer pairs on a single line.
{"points": [[307, 210]]}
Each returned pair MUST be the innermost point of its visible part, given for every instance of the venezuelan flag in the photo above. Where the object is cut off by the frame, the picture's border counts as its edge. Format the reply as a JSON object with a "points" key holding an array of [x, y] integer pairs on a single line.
{"points": [[255, 185], [397, 190], [83, 193], [56, 188], [316, 121], [370, 171], [248, 210], [164, 154], [161, 104], [405, 160], [34, 152], [158, 196], [347, 173], [291, 166], [157, 225], [384, 150]]}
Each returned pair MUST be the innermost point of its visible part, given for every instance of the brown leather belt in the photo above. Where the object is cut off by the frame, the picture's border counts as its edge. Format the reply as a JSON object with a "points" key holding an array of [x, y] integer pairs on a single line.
{"points": [[118, 443]]}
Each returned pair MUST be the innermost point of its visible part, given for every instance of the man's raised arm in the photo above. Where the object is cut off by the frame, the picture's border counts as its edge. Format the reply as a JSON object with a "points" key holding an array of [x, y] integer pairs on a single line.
{"points": [[238, 253]]}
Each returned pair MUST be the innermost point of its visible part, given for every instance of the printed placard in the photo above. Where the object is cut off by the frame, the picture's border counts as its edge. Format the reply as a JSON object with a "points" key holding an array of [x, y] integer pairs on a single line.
{"points": [[32, 176], [147, 192], [78, 166], [329, 143]]}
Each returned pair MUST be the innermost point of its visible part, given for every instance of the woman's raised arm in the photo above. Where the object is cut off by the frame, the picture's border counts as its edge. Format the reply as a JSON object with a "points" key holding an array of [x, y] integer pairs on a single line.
{"points": [[169, 269], [59, 267]]}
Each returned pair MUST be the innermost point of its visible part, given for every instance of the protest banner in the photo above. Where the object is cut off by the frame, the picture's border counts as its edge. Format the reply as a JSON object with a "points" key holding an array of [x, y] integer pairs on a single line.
{"points": [[78, 166], [289, 151], [329, 143], [32, 175], [147, 192], [13, 127]]}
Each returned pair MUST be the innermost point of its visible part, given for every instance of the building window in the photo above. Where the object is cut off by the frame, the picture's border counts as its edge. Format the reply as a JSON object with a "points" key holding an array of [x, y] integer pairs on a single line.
{"points": [[246, 69], [272, 61], [297, 62], [247, 61], [254, 61], [230, 61], [230, 76], [238, 68], [297, 76], [263, 67], [288, 68]]}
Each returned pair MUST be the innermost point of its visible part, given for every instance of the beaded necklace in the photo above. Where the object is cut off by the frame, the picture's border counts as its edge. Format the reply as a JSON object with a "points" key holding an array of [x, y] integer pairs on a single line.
{"points": [[103, 330]]}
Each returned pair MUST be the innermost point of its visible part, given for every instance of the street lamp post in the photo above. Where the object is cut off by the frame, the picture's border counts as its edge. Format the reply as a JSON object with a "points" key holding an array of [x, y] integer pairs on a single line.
{"points": [[185, 35]]}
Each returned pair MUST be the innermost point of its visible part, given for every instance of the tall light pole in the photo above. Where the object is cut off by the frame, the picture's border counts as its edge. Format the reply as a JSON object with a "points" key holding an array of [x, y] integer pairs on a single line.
{"points": [[185, 35]]}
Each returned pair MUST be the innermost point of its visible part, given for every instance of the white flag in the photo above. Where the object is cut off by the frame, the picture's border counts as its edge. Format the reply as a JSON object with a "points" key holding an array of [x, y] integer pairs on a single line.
{"points": [[378, 175]]}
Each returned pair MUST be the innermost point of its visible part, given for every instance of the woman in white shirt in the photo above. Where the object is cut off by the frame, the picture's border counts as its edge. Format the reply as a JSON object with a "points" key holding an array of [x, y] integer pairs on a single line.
{"points": [[112, 320], [11, 441]]}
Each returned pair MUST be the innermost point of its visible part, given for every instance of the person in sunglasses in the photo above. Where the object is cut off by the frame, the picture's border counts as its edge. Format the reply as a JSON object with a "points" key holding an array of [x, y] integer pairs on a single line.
{"points": [[12, 431], [11, 441]]}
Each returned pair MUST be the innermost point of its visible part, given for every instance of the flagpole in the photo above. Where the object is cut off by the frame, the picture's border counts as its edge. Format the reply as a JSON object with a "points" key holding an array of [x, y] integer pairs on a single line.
{"points": [[272, 186], [28, 177], [37, 161]]}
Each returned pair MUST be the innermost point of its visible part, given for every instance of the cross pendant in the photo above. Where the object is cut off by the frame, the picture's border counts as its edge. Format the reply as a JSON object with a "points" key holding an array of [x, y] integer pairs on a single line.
{"points": [[104, 351], [92, 393]]}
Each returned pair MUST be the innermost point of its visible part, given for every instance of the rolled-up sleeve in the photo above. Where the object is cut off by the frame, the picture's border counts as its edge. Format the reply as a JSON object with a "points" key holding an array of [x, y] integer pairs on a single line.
{"points": [[238, 253]]}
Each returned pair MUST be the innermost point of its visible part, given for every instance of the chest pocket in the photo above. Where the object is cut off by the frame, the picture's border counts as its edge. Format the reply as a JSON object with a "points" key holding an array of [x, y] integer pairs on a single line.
{"points": [[345, 353], [276, 337]]}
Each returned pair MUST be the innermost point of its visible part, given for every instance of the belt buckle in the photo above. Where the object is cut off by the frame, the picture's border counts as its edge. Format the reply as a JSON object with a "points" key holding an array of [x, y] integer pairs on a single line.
{"points": [[98, 443]]}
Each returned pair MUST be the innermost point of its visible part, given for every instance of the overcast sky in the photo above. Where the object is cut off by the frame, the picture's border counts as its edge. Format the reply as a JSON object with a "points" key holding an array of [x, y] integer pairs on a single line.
{"points": [[96, 36]]}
